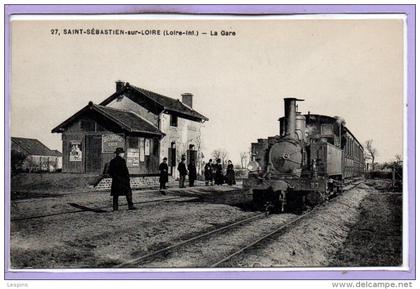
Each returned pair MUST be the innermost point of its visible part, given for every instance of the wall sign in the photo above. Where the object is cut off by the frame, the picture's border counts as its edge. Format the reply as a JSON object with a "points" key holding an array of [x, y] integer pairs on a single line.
{"points": [[133, 157], [110, 142], [141, 147], [76, 151]]}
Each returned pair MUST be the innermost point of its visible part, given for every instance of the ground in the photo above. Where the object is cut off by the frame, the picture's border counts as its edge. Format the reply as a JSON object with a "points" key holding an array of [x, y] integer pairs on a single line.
{"points": [[375, 240], [40, 185], [362, 227]]}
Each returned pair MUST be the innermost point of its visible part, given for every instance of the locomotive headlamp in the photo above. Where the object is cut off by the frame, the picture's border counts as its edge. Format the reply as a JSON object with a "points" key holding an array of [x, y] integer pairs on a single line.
{"points": [[253, 166]]}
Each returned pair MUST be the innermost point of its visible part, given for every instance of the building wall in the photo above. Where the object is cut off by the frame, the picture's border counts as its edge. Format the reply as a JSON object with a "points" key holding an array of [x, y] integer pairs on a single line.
{"points": [[36, 163], [59, 163], [96, 148], [186, 133], [127, 104]]}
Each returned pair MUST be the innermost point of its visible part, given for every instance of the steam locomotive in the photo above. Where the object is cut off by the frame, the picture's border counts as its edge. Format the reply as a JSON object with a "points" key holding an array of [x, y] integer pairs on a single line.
{"points": [[306, 164]]}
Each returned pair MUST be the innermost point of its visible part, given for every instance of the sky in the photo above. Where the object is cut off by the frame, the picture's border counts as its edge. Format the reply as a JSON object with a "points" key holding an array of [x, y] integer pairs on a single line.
{"points": [[348, 68]]}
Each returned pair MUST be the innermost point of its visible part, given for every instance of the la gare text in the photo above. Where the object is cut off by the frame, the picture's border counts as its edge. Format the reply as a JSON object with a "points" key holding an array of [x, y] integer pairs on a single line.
{"points": [[142, 32]]}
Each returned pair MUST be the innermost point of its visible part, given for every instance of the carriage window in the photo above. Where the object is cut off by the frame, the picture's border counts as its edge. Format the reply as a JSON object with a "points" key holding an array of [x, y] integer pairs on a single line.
{"points": [[347, 147]]}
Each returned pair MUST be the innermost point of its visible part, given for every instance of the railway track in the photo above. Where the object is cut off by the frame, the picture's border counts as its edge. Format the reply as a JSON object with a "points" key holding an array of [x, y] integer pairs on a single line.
{"points": [[283, 227], [84, 209], [167, 249], [280, 229]]}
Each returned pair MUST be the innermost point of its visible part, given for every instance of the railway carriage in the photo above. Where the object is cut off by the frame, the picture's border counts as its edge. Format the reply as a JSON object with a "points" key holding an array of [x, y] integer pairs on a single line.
{"points": [[306, 163]]}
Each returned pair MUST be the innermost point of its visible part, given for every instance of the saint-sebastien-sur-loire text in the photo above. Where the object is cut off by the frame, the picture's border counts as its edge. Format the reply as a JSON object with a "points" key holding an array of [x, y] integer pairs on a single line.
{"points": [[141, 32]]}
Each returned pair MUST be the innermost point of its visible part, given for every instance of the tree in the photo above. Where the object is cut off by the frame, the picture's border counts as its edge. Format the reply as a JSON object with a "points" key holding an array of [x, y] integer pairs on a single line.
{"points": [[371, 152], [221, 154], [16, 160], [244, 157], [200, 155], [181, 150]]}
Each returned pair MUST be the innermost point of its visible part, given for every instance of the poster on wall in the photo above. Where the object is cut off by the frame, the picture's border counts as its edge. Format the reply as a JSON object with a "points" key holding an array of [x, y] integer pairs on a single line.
{"points": [[147, 147], [110, 142], [133, 157], [141, 147], [76, 151]]}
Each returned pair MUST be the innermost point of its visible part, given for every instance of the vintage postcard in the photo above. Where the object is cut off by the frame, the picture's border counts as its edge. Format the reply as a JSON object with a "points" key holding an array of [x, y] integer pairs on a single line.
{"points": [[218, 144]]}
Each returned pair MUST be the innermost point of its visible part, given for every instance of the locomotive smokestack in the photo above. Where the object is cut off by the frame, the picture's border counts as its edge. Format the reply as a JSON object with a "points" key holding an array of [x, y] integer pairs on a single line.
{"points": [[290, 116]]}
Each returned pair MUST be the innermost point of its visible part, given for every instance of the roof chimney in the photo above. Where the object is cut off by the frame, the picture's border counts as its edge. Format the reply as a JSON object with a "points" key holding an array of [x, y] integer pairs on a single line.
{"points": [[187, 99], [119, 85]]}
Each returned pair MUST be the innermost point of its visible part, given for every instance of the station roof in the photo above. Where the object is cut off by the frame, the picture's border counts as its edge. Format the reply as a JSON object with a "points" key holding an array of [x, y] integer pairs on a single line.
{"points": [[126, 120], [158, 101]]}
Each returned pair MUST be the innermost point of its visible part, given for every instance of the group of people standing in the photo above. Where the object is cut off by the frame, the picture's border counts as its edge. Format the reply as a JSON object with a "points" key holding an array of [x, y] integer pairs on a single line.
{"points": [[183, 170], [121, 178], [214, 173]]}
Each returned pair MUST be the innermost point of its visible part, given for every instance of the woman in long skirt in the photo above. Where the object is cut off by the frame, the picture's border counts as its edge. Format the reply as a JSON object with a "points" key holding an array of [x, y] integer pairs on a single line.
{"points": [[230, 174]]}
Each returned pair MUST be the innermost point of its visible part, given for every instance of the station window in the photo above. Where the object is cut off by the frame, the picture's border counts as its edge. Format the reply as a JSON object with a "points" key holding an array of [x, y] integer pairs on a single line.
{"points": [[174, 120]]}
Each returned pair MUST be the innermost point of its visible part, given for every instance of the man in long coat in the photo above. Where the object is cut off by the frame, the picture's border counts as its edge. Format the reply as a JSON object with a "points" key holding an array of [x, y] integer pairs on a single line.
{"points": [[120, 180], [163, 174], [182, 172]]}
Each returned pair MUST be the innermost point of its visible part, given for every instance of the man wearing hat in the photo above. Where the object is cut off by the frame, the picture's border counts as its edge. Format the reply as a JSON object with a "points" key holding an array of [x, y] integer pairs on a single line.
{"points": [[182, 172], [120, 180], [163, 174]]}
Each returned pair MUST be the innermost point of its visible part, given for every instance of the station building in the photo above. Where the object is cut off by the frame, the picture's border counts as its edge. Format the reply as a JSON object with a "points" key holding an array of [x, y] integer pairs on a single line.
{"points": [[149, 126]]}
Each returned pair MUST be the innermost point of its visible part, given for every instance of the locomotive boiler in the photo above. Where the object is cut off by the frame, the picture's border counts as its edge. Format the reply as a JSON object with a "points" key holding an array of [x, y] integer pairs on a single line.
{"points": [[305, 164]]}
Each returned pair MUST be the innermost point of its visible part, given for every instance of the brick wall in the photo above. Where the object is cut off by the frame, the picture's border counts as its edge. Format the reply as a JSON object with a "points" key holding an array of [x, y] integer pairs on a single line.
{"points": [[135, 182]]}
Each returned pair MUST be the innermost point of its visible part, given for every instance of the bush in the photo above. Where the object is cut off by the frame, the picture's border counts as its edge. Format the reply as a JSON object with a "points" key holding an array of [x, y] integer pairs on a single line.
{"points": [[378, 175]]}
